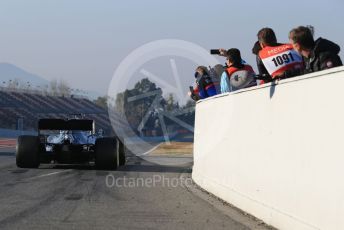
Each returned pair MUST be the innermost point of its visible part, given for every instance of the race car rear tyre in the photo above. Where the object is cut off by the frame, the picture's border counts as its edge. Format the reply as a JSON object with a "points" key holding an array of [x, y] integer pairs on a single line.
{"points": [[121, 152], [106, 154], [27, 152]]}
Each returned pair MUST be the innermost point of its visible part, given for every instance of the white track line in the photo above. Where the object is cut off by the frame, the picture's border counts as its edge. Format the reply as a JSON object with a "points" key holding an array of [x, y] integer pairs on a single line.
{"points": [[148, 152], [49, 174]]}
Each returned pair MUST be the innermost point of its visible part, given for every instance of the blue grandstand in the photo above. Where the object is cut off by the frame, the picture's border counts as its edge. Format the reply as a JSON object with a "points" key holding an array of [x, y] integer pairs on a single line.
{"points": [[22, 109]]}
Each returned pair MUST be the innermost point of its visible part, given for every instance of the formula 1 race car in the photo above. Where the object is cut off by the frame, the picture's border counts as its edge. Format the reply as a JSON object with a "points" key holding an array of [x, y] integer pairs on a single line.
{"points": [[72, 141]]}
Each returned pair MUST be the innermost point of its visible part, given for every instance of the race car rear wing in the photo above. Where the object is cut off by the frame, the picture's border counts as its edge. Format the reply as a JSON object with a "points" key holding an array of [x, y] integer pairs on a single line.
{"points": [[60, 124]]}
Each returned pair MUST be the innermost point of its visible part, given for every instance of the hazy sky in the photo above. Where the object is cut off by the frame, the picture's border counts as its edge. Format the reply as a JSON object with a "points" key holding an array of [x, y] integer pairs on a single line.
{"points": [[83, 41]]}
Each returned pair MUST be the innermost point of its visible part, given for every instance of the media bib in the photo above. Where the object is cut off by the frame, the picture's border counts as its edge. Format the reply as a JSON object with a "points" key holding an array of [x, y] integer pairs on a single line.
{"points": [[279, 59]]}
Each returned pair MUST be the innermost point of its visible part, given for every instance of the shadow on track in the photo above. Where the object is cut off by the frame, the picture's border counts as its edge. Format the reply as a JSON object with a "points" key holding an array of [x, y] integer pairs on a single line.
{"points": [[152, 168]]}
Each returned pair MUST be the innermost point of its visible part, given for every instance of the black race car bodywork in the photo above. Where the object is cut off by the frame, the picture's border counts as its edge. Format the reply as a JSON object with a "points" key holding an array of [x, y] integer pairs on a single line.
{"points": [[69, 142]]}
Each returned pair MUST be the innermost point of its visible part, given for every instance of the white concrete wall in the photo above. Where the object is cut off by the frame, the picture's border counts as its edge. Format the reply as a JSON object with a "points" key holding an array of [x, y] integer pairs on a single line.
{"points": [[277, 152]]}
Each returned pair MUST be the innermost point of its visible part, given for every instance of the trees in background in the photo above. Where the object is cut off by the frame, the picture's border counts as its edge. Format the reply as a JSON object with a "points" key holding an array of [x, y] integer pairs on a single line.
{"points": [[147, 101], [55, 88], [59, 88], [102, 102], [134, 103]]}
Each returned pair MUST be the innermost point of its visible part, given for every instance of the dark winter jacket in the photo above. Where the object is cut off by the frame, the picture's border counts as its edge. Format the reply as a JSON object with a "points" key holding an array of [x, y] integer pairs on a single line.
{"points": [[323, 56], [261, 68]]}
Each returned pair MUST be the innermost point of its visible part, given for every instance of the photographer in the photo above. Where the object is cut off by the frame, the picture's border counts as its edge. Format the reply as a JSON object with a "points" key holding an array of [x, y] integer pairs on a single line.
{"points": [[261, 69], [238, 74], [318, 54], [277, 60], [205, 87]]}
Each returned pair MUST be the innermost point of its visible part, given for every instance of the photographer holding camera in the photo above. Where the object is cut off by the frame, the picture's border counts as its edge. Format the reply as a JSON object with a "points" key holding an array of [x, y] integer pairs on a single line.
{"points": [[205, 87], [238, 74]]}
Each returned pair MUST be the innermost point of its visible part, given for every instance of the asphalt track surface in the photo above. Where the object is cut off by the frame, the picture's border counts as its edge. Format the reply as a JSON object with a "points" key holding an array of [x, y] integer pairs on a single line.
{"points": [[80, 197]]}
